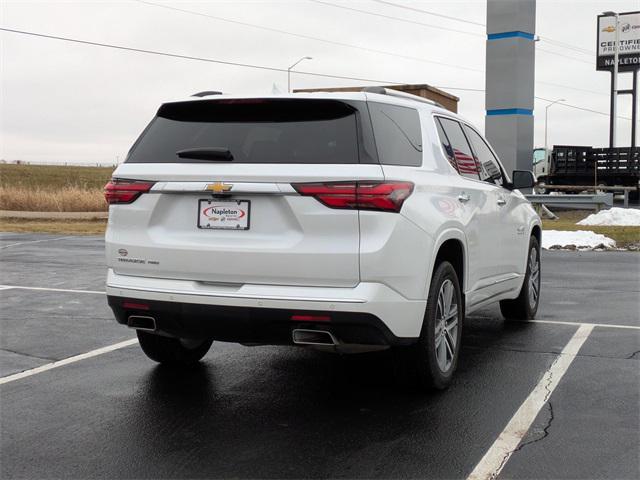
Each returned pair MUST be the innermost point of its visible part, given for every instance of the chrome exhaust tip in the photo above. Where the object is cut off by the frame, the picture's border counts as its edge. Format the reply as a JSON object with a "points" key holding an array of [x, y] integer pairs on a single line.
{"points": [[140, 322], [303, 336]]}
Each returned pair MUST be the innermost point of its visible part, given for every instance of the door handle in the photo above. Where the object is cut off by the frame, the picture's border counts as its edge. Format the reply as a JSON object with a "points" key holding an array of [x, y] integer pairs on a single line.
{"points": [[501, 201], [463, 198]]}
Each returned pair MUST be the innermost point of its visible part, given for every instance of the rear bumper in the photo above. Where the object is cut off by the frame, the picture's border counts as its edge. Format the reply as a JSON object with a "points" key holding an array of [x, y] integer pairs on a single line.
{"points": [[370, 313]]}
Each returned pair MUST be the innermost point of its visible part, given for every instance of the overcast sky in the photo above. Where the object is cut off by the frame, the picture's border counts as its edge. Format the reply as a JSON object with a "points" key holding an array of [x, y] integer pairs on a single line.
{"points": [[66, 102]]}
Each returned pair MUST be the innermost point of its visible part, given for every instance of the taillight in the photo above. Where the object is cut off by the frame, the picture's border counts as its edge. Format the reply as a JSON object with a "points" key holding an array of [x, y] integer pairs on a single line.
{"points": [[310, 318], [125, 191], [135, 306], [381, 196]]}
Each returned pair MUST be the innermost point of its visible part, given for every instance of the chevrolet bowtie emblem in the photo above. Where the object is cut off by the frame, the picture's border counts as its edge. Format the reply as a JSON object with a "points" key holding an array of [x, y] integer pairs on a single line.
{"points": [[219, 187]]}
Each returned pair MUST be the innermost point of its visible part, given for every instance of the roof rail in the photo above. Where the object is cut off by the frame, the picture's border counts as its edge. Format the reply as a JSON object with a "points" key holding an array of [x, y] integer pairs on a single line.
{"points": [[397, 93], [206, 93]]}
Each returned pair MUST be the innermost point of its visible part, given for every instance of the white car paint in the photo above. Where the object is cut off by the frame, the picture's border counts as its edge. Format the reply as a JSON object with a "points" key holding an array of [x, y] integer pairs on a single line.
{"points": [[300, 254]]}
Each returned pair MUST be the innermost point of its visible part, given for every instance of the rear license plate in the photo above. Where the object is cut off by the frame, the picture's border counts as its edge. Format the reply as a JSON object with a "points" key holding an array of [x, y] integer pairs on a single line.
{"points": [[224, 214]]}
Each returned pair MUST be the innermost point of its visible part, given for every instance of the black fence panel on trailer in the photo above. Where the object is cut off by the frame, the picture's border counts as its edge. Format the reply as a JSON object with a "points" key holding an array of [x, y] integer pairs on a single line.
{"points": [[575, 165]]}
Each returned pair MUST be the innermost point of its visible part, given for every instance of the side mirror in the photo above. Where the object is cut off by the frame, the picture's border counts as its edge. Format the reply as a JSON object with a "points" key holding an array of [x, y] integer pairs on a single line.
{"points": [[523, 179]]}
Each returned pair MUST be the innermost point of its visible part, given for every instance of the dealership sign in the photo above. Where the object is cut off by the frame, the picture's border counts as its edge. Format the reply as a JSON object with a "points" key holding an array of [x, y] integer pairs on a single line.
{"points": [[629, 42]]}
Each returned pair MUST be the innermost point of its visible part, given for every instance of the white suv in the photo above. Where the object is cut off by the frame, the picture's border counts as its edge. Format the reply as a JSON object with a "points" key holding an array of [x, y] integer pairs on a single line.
{"points": [[344, 221]]}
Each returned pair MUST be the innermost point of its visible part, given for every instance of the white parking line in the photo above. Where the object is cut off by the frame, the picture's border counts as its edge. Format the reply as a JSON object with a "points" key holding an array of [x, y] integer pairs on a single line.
{"points": [[20, 287], [500, 452], [34, 241], [577, 324], [67, 361]]}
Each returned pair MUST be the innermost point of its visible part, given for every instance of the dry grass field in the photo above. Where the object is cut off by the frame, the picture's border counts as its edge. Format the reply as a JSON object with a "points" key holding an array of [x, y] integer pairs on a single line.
{"points": [[64, 227], [49, 188]]}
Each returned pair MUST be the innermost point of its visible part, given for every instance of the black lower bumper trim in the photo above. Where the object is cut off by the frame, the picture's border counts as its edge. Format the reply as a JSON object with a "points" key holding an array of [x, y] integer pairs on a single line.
{"points": [[252, 325]]}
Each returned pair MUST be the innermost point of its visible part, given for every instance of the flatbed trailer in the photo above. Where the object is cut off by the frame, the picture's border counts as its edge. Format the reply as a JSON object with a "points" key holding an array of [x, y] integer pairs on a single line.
{"points": [[582, 165]]}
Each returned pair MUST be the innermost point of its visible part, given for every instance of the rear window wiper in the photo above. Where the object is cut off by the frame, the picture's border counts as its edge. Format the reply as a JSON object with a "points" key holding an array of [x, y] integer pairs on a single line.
{"points": [[218, 154]]}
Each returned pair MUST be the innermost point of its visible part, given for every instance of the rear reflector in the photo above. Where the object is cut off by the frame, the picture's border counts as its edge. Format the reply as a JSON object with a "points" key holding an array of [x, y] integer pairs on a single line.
{"points": [[381, 196], [310, 318], [135, 306], [125, 191]]}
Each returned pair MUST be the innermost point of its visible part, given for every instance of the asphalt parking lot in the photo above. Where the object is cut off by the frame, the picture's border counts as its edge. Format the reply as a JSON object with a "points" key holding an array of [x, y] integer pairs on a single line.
{"points": [[275, 412]]}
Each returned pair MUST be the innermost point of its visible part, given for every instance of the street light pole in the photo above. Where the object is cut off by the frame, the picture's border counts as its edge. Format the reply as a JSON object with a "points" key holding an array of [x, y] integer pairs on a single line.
{"points": [[546, 117], [289, 72]]}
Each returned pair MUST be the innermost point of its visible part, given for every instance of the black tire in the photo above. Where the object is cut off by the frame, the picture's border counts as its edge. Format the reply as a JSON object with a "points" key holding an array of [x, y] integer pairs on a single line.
{"points": [[525, 306], [172, 351], [418, 366]]}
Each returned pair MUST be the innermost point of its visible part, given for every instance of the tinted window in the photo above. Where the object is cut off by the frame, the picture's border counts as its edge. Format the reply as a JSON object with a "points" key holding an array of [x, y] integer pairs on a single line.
{"points": [[489, 168], [398, 135], [254, 131], [446, 146], [460, 151]]}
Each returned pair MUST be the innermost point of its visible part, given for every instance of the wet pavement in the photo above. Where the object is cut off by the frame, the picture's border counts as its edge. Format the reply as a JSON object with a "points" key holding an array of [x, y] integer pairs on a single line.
{"points": [[278, 412]]}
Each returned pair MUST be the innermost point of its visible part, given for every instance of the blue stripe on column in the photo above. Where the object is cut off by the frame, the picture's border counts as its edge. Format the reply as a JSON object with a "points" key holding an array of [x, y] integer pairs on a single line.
{"points": [[510, 111], [498, 36]]}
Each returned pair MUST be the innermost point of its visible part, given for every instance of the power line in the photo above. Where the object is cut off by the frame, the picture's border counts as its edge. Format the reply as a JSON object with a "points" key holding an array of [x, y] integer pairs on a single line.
{"points": [[259, 67], [568, 46], [223, 62], [577, 89], [366, 12], [332, 42], [584, 109], [414, 9], [309, 37], [480, 24], [189, 57], [565, 56], [399, 19], [563, 104]]}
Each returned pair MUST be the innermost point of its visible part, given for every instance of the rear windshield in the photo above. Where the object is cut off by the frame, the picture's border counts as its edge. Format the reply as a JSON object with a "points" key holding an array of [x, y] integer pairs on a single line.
{"points": [[253, 131]]}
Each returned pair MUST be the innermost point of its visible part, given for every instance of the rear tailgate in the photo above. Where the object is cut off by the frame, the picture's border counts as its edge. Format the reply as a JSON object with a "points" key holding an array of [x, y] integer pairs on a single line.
{"points": [[241, 221]]}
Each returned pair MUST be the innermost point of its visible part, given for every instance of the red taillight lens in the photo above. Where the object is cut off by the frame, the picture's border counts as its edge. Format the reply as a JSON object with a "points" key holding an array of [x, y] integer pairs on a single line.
{"points": [[310, 318], [381, 196], [125, 191], [135, 306]]}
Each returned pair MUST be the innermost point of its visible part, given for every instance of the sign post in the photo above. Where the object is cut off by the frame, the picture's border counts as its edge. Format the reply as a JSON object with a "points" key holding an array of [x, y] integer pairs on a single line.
{"points": [[618, 50]]}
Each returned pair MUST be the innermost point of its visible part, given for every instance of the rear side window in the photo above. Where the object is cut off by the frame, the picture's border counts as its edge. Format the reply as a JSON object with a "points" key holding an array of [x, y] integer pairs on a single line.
{"points": [[397, 133], [489, 167], [459, 151], [446, 146], [305, 131]]}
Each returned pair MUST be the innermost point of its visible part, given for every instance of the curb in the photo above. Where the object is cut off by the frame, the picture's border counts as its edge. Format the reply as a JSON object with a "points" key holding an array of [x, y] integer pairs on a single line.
{"points": [[54, 215]]}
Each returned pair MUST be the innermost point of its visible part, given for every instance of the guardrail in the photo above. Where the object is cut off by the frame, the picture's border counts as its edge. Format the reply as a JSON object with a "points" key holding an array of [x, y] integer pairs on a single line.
{"points": [[594, 188], [595, 201]]}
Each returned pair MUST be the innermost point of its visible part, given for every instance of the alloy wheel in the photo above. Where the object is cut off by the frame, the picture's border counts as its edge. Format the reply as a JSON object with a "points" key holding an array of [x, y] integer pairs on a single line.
{"points": [[446, 326], [534, 278]]}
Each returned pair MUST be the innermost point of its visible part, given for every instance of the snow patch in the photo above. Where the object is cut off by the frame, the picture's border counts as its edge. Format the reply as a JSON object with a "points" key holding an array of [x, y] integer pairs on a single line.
{"points": [[614, 216], [578, 240]]}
